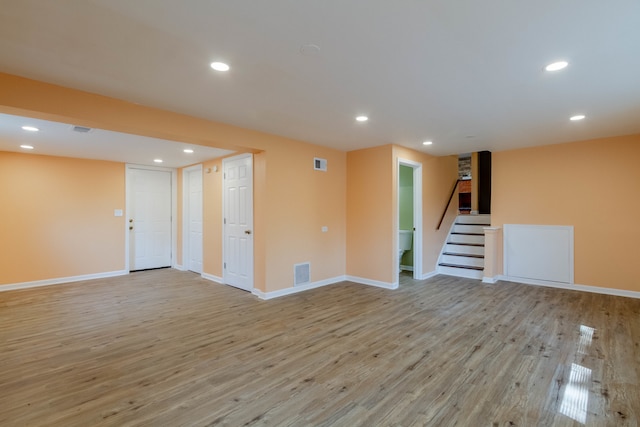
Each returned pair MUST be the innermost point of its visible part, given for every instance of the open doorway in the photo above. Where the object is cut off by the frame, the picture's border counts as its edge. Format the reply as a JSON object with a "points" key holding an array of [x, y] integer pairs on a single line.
{"points": [[409, 227]]}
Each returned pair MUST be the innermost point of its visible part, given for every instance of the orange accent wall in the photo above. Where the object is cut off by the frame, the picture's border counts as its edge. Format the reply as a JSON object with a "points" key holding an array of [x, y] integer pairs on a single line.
{"points": [[592, 185], [57, 217]]}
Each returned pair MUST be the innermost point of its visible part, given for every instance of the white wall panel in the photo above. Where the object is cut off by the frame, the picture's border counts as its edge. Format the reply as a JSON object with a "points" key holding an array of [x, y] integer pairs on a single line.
{"points": [[539, 252]]}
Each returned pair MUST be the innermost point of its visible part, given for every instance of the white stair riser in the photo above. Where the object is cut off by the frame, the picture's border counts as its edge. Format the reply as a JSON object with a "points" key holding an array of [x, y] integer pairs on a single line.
{"points": [[474, 219], [461, 249], [476, 229], [462, 260], [461, 238], [460, 272]]}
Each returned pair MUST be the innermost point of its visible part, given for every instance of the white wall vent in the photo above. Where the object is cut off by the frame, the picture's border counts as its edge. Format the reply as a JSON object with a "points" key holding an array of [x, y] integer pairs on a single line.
{"points": [[301, 274], [320, 164]]}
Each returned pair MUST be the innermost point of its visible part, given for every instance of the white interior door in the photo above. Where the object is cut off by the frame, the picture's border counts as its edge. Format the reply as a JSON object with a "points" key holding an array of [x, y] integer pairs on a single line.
{"points": [[192, 232], [149, 219], [238, 221]]}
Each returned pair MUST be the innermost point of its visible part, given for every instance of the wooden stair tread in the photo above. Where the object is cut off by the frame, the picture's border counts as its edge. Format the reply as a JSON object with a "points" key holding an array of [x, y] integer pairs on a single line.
{"points": [[464, 255], [466, 267]]}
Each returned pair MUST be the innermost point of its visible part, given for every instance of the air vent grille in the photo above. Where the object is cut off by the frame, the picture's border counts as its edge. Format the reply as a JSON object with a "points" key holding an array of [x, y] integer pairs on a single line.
{"points": [[81, 129], [301, 274], [320, 164]]}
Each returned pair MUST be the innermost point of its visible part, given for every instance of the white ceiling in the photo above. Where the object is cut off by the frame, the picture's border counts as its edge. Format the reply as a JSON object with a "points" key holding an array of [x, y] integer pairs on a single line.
{"points": [[466, 74], [59, 139]]}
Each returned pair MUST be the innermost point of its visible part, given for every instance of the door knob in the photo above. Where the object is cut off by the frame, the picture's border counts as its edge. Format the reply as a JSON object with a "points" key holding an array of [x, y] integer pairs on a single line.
{"points": [[247, 231], [131, 228], [131, 220]]}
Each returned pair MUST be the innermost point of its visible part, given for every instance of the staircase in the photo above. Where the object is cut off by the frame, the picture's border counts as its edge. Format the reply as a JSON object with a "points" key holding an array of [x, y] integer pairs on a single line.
{"points": [[463, 252]]}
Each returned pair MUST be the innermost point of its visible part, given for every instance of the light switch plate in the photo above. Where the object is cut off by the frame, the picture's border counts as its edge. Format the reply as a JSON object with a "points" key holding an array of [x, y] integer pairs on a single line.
{"points": [[117, 212]]}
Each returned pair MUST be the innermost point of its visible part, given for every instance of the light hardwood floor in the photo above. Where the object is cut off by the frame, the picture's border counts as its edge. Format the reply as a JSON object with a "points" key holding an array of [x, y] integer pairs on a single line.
{"points": [[167, 348]]}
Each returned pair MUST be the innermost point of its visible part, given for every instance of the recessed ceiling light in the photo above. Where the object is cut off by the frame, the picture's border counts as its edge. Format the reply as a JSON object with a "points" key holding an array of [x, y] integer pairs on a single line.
{"points": [[427, 143], [30, 128], [27, 147], [157, 160], [577, 117], [362, 118], [219, 66], [556, 66], [188, 150]]}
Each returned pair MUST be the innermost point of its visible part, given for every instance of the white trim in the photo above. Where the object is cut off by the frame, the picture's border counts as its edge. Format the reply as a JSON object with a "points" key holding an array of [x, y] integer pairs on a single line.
{"points": [[429, 275], [62, 280], [180, 267], [406, 267], [296, 289], [417, 216], [185, 209], [575, 287], [376, 283], [339, 279], [174, 210], [490, 280], [212, 278]]}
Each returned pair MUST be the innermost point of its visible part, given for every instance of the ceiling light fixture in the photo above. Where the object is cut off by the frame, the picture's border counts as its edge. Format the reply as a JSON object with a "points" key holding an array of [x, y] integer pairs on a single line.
{"points": [[427, 143], [362, 118], [577, 117], [157, 160], [27, 147], [556, 66], [220, 66], [188, 150], [30, 128]]}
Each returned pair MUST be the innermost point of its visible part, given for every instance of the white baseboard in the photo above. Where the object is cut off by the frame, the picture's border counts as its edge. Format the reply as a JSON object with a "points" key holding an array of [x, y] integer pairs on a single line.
{"points": [[574, 287], [376, 283], [490, 280], [429, 275], [213, 278], [296, 289], [61, 280], [406, 267], [179, 267], [321, 283]]}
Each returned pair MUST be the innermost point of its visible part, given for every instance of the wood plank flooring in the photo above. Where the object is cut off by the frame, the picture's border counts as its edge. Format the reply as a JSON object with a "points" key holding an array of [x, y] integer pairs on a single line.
{"points": [[167, 348]]}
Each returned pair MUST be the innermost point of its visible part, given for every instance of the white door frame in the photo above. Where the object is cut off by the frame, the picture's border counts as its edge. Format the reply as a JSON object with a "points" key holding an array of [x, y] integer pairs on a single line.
{"points": [[417, 216], [174, 210], [224, 210], [185, 214]]}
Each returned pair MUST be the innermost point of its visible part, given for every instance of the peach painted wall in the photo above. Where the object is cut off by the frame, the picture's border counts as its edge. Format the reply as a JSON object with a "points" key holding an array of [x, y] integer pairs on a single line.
{"points": [[372, 209], [438, 177], [212, 218], [371, 214], [57, 217], [592, 185], [298, 201], [292, 201]]}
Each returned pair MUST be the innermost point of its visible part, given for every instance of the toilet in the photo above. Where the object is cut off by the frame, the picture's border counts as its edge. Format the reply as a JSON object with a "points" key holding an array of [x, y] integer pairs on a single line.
{"points": [[405, 241]]}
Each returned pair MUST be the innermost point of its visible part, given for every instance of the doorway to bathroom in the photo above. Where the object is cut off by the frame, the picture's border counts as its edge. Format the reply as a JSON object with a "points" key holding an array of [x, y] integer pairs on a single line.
{"points": [[409, 224]]}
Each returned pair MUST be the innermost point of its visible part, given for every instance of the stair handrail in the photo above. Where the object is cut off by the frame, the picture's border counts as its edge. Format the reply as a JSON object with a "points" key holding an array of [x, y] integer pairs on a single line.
{"points": [[446, 208]]}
